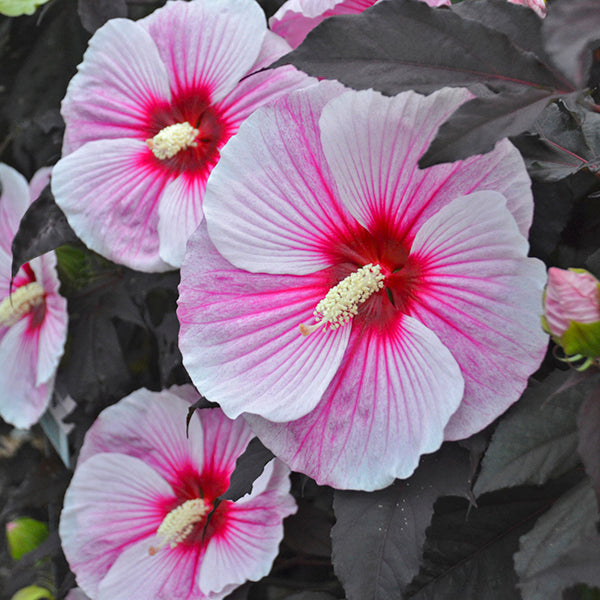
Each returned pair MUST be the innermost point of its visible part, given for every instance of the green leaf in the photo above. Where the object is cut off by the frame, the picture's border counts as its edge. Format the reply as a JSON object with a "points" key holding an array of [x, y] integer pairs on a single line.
{"points": [[33, 592], [16, 8], [24, 535]]}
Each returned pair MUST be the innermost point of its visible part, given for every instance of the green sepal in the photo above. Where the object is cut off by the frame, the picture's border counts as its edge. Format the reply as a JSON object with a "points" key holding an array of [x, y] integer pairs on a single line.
{"points": [[16, 8], [33, 592], [582, 338], [24, 535]]}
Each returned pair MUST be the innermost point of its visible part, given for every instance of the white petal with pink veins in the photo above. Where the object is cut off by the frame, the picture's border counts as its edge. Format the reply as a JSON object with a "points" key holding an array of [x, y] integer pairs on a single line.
{"points": [[21, 401], [388, 404], [271, 205], [179, 214], [109, 190], [119, 80], [14, 201], [210, 44], [245, 550], [113, 501], [170, 574], [240, 336], [149, 426], [373, 144], [482, 296], [52, 333]]}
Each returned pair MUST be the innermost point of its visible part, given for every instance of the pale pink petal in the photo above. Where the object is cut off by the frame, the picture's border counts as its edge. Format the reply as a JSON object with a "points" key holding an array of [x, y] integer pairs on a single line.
{"points": [[271, 205], [77, 594], [262, 87], [240, 336], [150, 426], [119, 82], [113, 501], [14, 201], [538, 5], [170, 574], [40, 179], [373, 144], [295, 18], [52, 333], [571, 296], [109, 190], [179, 214], [224, 441], [388, 404], [482, 297], [207, 45], [249, 541], [21, 401]]}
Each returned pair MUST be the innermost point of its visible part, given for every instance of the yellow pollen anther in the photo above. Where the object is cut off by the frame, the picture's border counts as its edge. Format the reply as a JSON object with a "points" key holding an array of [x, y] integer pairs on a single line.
{"points": [[20, 302], [170, 140], [179, 523], [342, 301]]}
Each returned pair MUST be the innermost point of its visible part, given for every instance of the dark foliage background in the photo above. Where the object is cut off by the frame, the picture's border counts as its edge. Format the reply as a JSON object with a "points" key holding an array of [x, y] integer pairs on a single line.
{"points": [[510, 513]]}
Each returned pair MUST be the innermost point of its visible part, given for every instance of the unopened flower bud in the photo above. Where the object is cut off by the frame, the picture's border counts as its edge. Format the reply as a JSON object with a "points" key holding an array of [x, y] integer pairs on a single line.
{"points": [[24, 535], [572, 312]]}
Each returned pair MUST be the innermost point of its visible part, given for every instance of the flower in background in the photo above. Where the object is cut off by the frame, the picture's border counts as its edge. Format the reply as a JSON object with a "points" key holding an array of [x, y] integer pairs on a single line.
{"points": [[33, 315], [295, 18], [134, 522], [146, 115], [357, 309], [572, 313]]}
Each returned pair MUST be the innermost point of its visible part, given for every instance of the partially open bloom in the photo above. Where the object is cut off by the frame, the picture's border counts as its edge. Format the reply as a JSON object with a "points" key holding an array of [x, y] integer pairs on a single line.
{"points": [[295, 18], [33, 315], [360, 310], [138, 519], [572, 312], [146, 115]]}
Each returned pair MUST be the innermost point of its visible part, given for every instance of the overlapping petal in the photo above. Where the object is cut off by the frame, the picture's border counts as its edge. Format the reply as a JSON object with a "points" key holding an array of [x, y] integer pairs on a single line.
{"points": [[240, 553], [241, 340], [261, 221], [388, 404], [483, 301], [120, 79], [214, 54], [110, 190], [373, 144], [100, 521], [14, 201]]}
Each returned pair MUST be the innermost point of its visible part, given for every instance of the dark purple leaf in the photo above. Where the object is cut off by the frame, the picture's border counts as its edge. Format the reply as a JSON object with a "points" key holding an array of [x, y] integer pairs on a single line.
{"points": [[405, 44], [571, 31], [43, 228], [588, 447], [94, 13], [593, 264], [564, 139], [537, 440], [521, 24], [247, 469], [562, 549], [310, 596], [198, 405], [468, 551], [308, 531], [378, 536], [478, 124]]}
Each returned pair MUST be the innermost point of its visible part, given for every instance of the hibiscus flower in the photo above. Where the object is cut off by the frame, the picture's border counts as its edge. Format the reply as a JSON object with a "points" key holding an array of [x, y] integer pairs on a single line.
{"points": [[140, 518], [146, 115], [357, 309], [33, 315]]}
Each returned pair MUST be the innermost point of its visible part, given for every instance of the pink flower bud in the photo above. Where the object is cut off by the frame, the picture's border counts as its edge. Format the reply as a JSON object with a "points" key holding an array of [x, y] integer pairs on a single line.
{"points": [[572, 311]]}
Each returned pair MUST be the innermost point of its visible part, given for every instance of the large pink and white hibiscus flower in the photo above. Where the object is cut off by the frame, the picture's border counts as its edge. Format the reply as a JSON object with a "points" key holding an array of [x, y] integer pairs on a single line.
{"points": [[357, 309], [295, 18], [146, 115], [138, 519], [33, 315]]}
